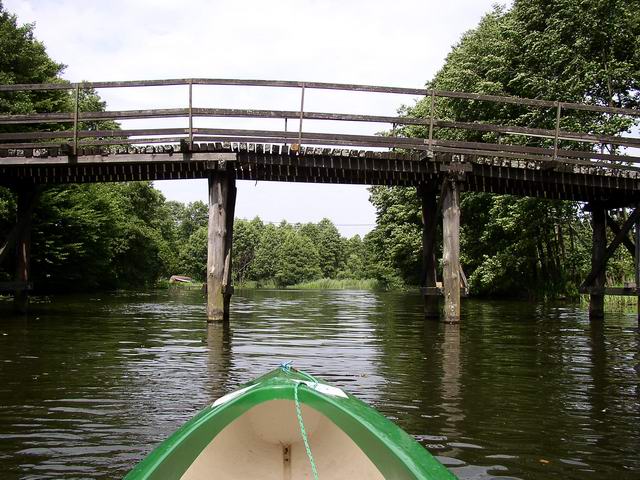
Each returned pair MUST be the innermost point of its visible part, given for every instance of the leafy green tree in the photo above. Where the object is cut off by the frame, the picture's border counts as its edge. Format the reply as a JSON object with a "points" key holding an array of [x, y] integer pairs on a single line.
{"points": [[354, 259], [325, 236], [396, 241], [267, 252], [191, 217], [23, 59], [568, 50], [192, 259], [298, 260], [246, 238], [100, 236]]}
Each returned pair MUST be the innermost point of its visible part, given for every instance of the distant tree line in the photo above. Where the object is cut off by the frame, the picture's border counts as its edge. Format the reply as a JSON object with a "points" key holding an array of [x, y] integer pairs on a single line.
{"points": [[283, 254]]}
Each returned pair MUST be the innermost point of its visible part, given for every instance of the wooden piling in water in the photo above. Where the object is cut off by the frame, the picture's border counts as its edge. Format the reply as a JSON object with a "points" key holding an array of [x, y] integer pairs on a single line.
{"points": [[429, 224], [227, 285], [221, 210], [598, 252], [451, 250], [25, 199], [636, 260]]}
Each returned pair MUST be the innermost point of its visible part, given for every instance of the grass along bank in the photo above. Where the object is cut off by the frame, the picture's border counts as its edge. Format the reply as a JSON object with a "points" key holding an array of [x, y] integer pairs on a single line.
{"points": [[614, 303], [338, 284], [321, 284]]}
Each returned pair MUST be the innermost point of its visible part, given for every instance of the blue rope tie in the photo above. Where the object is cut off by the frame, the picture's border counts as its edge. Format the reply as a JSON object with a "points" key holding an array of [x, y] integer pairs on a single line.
{"points": [[286, 366], [304, 432]]}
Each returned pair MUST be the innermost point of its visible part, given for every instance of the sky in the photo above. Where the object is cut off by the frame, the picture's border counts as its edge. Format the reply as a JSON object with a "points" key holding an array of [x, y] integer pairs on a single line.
{"points": [[376, 42]]}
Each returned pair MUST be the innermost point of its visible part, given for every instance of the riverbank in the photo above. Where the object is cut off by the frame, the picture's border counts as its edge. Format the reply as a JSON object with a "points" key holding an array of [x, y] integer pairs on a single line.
{"points": [[320, 284]]}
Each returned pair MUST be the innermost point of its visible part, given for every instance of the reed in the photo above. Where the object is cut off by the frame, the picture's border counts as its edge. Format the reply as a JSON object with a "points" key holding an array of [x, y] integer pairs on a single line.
{"points": [[338, 284]]}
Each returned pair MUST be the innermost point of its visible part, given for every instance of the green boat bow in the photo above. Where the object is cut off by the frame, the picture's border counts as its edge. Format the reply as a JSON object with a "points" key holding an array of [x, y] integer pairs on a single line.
{"points": [[394, 453]]}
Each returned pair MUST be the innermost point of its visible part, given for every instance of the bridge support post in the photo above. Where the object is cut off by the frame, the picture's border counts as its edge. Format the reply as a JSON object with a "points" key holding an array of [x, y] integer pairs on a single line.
{"points": [[222, 195], [598, 253], [429, 224], [451, 250], [25, 202], [636, 259]]}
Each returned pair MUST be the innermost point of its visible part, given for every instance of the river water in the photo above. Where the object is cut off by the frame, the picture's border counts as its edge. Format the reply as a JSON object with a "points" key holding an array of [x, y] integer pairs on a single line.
{"points": [[90, 384]]}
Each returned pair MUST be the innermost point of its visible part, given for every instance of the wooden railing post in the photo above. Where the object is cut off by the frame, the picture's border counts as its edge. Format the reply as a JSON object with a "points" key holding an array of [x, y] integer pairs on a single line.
{"points": [[432, 106], [557, 133], [75, 119], [301, 117], [191, 114]]}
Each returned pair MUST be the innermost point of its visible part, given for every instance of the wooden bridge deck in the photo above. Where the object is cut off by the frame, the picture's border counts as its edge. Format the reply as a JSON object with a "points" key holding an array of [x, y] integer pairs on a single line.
{"points": [[272, 162]]}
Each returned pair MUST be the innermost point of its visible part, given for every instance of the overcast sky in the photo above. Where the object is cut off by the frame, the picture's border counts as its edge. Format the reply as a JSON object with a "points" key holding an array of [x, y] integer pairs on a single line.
{"points": [[397, 43]]}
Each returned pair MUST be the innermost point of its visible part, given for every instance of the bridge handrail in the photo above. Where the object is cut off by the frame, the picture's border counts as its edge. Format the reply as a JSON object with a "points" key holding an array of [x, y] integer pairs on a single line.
{"points": [[286, 114], [77, 137], [322, 86]]}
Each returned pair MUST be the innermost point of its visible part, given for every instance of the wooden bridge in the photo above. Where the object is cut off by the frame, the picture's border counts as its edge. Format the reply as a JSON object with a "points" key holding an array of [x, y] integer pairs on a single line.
{"points": [[544, 160]]}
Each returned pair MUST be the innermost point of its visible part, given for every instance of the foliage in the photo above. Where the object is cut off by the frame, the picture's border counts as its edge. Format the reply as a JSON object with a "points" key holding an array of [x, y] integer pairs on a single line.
{"points": [[568, 50], [23, 59], [123, 235], [99, 236]]}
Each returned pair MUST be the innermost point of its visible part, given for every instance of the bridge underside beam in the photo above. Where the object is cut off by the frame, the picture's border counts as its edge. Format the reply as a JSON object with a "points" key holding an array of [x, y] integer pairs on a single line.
{"points": [[327, 165]]}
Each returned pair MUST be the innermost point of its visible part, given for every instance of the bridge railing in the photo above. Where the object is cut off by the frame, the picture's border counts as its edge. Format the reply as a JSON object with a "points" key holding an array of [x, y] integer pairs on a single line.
{"points": [[563, 145]]}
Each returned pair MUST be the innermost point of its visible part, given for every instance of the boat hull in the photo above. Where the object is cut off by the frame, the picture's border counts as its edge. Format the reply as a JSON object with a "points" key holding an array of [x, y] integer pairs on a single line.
{"points": [[255, 433]]}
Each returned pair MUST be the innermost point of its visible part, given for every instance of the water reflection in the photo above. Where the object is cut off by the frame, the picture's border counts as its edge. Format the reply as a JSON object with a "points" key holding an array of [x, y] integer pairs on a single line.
{"points": [[218, 357], [89, 384]]}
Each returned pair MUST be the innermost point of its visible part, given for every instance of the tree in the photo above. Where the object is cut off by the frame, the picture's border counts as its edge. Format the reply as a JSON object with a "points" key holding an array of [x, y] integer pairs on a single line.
{"points": [[246, 238], [354, 255], [567, 50], [23, 59], [298, 260], [325, 236], [396, 241]]}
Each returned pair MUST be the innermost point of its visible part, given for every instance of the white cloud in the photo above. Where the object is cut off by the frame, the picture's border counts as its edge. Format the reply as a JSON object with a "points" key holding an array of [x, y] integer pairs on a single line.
{"points": [[401, 43]]}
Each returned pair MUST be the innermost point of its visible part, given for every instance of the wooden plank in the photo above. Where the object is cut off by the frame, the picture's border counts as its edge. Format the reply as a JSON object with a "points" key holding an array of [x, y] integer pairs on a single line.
{"points": [[618, 291], [250, 113], [540, 133], [451, 251]]}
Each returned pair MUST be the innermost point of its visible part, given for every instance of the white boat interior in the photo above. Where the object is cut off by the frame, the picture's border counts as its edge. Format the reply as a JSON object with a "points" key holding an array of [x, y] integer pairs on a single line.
{"points": [[265, 443]]}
